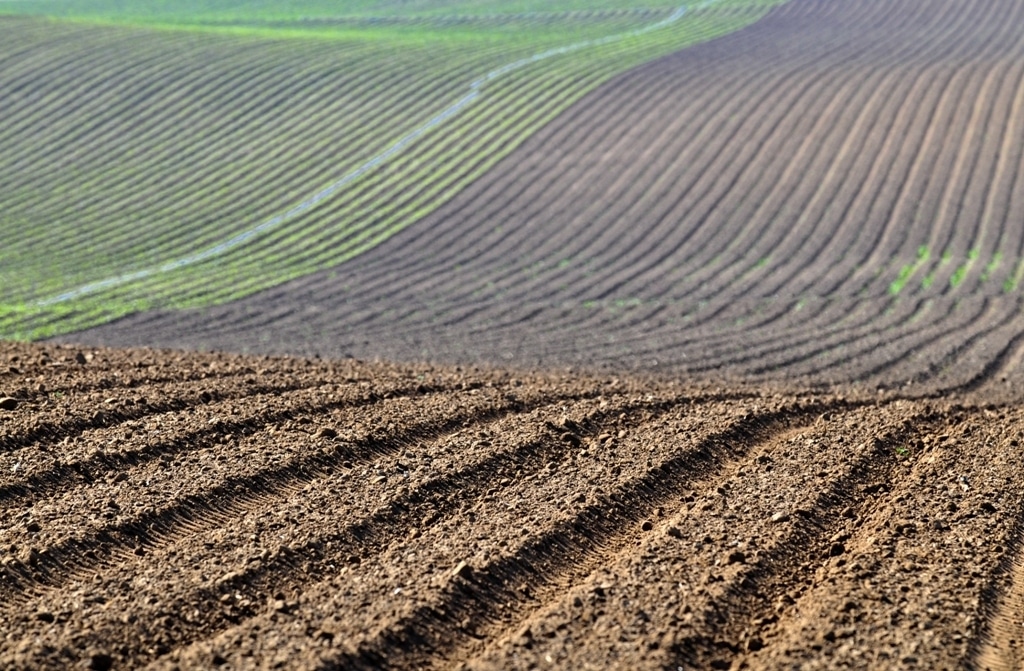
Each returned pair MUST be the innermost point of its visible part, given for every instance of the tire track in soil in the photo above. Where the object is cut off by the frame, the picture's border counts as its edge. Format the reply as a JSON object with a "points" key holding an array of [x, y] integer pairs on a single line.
{"points": [[284, 545], [999, 644], [58, 564], [351, 543], [434, 498], [691, 611], [57, 474], [734, 619], [568, 552], [917, 556]]}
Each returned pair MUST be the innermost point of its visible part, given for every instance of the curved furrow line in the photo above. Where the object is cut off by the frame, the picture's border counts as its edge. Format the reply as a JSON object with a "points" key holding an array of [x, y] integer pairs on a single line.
{"points": [[460, 238], [188, 386], [363, 539], [708, 609], [954, 357], [1005, 175], [745, 251], [809, 363], [361, 238], [155, 125], [248, 112], [920, 181], [902, 350], [246, 287], [607, 245], [811, 358], [80, 552], [911, 557], [256, 99], [830, 359], [478, 139], [946, 230], [189, 83], [868, 93], [867, 255], [74, 78], [830, 211], [987, 361], [703, 332], [46, 473], [489, 596], [728, 236], [1002, 367], [47, 428], [113, 201], [977, 186], [94, 110], [522, 246], [809, 340], [718, 336]]}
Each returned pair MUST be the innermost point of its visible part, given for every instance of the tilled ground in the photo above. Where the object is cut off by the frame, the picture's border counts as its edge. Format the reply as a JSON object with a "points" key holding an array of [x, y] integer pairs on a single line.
{"points": [[192, 511], [831, 194]]}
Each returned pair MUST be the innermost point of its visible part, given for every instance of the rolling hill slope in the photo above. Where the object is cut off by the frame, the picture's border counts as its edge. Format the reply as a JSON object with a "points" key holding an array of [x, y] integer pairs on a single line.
{"points": [[833, 193], [175, 160]]}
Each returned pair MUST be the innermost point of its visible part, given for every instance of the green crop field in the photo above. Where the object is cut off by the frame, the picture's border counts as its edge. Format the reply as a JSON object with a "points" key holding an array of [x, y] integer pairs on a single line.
{"points": [[172, 154]]}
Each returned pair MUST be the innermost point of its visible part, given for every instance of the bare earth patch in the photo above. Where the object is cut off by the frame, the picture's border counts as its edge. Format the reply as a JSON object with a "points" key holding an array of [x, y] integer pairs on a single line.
{"points": [[186, 510]]}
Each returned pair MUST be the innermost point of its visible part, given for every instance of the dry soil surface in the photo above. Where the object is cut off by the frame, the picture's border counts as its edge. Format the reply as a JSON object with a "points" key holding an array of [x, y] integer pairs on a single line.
{"points": [[169, 510]]}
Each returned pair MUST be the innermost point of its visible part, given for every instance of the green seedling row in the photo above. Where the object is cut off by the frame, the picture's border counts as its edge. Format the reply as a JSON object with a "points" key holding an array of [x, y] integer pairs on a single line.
{"points": [[118, 188]]}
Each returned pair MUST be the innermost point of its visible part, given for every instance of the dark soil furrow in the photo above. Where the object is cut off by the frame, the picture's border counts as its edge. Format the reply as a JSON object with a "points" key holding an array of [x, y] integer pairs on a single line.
{"points": [[800, 159], [56, 472], [916, 559], [121, 410], [568, 552], [292, 566], [52, 566], [656, 600], [733, 620]]}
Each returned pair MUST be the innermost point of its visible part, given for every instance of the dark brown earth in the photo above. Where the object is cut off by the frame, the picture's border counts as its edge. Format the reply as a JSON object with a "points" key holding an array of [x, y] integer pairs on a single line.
{"points": [[740, 208], [197, 511], [801, 467]]}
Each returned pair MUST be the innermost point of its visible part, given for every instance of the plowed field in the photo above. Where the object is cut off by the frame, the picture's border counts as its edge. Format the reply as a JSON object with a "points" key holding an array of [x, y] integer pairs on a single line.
{"points": [[833, 193], [191, 511], [774, 280]]}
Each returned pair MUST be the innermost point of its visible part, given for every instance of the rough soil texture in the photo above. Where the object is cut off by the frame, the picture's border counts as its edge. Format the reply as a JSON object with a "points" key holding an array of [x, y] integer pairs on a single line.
{"points": [[845, 495], [170, 510], [742, 207]]}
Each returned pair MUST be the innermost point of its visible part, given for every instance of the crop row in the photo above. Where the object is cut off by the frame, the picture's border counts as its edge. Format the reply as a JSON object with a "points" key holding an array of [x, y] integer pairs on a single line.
{"points": [[155, 159], [787, 200]]}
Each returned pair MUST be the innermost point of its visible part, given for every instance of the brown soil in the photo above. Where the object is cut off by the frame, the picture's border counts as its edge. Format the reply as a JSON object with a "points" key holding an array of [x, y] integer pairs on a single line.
{"points": [[845, 495], [192, 511], [740, 208]]}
